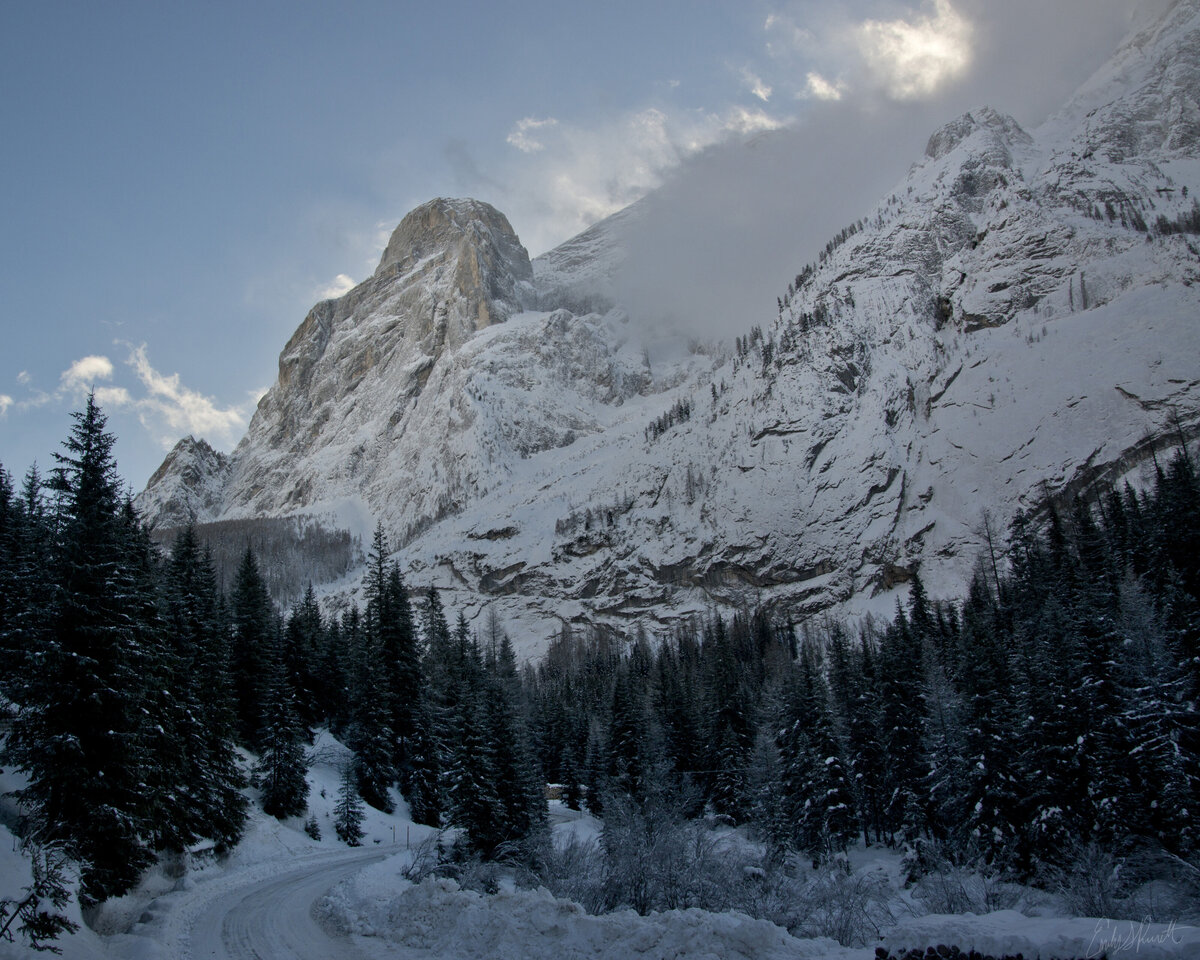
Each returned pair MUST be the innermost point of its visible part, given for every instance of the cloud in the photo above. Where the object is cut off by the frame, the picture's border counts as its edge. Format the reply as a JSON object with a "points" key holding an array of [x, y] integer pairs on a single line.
{"points": [[341, 285], [582, 173], [913, 58], [112, 397], [720, 238], [170, 410], [818, 88], [24, 378], [5, 402], [522, 138], [82, 375], [754, 83]]}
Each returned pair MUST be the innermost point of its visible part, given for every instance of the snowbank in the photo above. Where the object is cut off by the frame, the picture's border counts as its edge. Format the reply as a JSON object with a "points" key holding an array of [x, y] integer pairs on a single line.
{"points": [[437, 919], [1009, 932]]}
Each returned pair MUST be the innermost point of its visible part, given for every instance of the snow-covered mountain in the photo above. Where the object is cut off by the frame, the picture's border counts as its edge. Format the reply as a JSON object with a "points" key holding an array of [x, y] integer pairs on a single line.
{"points": [[1020, 315]]}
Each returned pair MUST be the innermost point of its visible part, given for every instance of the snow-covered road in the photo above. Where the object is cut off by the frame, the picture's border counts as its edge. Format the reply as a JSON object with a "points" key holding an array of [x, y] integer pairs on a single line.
{"points": [[272, 919]]}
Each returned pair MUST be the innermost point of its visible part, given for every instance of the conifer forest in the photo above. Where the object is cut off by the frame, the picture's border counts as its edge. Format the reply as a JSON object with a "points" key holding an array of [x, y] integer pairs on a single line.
{"points": [[1046, 719]]}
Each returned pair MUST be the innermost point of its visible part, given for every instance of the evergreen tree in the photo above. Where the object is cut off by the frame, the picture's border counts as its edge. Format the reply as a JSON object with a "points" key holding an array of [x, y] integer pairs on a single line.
{"points": [[733, 723], [402, 662], [203, 694], [988, 815], [521, 797], [816, 811], [901, 724], [81, 735], [370, 733], [425, 793], [304, 648], [282, 767], [348, 813], [252, 621]]}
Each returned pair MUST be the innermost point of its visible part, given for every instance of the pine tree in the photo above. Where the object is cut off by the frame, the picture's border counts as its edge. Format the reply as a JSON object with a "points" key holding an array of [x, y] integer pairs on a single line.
{"points": [[204, 695], [402, 661], [816, 812], [348, 813], [988, 811], [731, 707], [901, 723], [425, 792], [437, 728], [522, 813], [81, 735], [282, 767], [252, 621], [370, 732], [304, 647]]}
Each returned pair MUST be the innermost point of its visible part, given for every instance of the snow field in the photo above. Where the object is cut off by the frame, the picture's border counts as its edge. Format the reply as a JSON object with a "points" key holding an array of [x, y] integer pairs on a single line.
{"points": [[1008, 932], [389, 916], [437, 919]]}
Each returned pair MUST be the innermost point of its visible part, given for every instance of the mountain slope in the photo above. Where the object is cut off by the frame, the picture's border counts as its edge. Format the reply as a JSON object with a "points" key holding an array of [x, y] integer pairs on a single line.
{"points": [[1019, 315]]}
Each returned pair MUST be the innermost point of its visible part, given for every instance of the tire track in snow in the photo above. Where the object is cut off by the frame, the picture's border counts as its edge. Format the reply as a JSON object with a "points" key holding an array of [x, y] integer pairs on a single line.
{"points": [[272, 920]]}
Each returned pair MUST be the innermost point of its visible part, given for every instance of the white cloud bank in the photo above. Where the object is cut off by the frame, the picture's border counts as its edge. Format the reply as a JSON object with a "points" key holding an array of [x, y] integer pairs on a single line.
{"points": [[818, 88], [569, 176], [170, 410], [914, 58], [164, 406], [81, 376], [523, 135]]}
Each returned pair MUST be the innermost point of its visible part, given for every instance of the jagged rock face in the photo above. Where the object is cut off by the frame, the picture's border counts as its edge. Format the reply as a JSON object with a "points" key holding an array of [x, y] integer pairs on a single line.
{"points": [[1147, 99], [187, 485], [1002, 324], [353, 376]]}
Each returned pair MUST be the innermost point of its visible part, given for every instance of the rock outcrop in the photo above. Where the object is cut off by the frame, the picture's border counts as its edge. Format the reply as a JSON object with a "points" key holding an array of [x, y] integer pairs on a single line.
{"points": [[1019, 316]]}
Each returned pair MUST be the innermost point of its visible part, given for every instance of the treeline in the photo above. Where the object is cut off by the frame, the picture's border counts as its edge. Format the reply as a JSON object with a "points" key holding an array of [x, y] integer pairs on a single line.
{"points": [[131, 678], [1054, 707]]}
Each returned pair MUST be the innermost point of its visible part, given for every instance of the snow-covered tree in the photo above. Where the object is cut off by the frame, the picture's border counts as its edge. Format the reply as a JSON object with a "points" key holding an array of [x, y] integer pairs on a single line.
{"points": [[348, 813]]}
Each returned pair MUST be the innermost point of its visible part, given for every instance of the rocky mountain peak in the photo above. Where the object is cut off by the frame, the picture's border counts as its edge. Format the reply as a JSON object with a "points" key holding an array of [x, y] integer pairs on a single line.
{"points": [[443, 223], [186, 485], [472, 240], [997, 133], [1015, 318], [1146, 99]]}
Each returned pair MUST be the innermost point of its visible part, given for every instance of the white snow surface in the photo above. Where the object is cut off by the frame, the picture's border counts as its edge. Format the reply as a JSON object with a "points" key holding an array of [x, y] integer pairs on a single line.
{"points": [[1007, 932], [284, 896], [436, 920], [986, 339]]}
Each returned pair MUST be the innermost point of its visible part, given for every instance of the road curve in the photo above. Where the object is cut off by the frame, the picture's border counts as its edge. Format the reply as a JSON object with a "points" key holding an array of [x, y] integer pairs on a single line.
{"points": [[272, 920]]}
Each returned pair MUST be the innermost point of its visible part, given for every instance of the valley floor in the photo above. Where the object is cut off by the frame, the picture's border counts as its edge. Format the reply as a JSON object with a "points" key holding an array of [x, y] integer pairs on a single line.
{"points": [[284, 895]]}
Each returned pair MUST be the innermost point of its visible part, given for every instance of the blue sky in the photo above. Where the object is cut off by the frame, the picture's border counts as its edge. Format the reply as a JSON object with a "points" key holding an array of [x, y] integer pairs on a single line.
{"points": [[182, 181]]}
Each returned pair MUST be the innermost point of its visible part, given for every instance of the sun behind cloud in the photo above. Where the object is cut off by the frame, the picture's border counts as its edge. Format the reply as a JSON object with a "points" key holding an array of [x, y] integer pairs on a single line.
{"points": [[914, 58]]}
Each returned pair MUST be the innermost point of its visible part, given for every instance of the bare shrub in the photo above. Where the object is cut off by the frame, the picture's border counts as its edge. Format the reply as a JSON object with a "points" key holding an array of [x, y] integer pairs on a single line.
{"points": [[853, 909], [1091, 884]]}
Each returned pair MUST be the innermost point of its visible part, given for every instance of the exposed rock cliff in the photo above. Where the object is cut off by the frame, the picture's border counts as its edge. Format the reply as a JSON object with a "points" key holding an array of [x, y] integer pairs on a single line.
{"points": [[1018, 316]]}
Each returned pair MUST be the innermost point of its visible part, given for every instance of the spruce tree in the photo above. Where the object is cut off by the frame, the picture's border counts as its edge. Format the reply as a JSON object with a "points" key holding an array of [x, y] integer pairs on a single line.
{"points": [[518, 787], [987, 814], [901, 724], [282, 767], [304, 647], [348, 813], [370, 732], [82, 733], [203, 693], [252, 623]]}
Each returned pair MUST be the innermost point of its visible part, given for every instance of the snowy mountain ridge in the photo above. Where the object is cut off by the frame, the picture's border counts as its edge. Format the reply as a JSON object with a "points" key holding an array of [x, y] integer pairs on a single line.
{"points": [[1018, 316]]}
